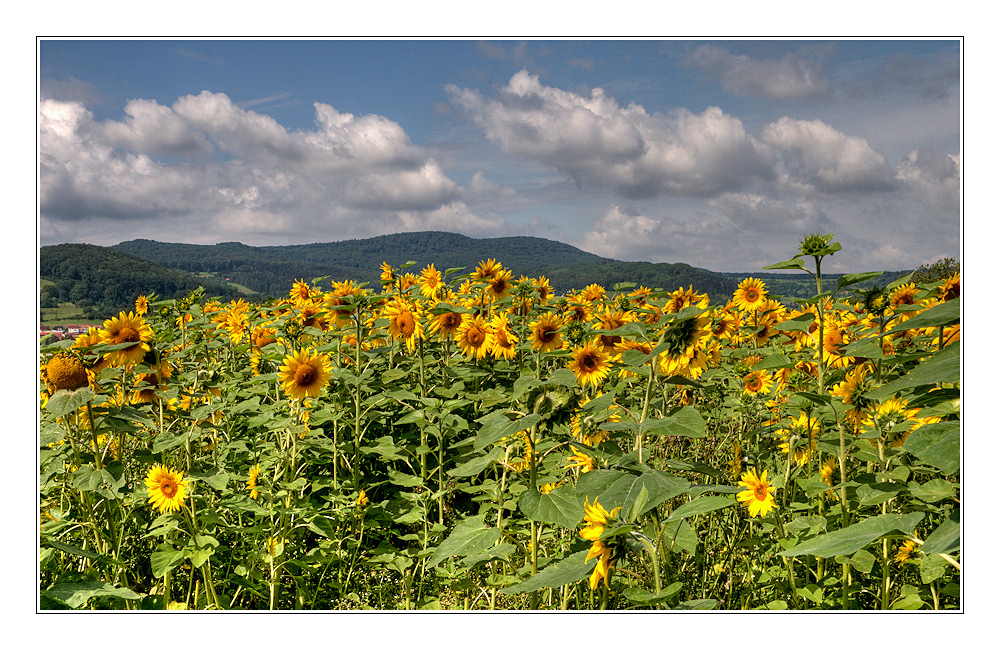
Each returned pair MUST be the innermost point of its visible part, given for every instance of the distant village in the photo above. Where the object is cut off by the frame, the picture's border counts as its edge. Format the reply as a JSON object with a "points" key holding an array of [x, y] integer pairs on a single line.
{"points": [[61, 332]]}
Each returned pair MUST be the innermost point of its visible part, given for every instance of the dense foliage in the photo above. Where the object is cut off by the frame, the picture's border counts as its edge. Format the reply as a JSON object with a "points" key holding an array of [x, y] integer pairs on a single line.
{"points": [[473, 441]]}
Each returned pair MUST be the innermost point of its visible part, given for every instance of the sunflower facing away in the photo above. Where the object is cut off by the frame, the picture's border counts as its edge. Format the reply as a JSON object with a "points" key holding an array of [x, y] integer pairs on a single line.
{"points": [[166, 488], [304, 374], [252, 481], [758, 495], [127, 328], [590, 364]]}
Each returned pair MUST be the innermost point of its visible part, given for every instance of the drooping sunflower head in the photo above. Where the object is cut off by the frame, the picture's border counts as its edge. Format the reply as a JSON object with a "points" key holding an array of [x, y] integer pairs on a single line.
{"points": [[304, 374], [590, 364], [167, 489], [127, 328], [66, 371]]}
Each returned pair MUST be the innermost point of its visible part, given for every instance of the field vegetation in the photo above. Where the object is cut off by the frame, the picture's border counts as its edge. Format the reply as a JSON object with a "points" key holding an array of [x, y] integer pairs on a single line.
{"points": [[470, 440]]}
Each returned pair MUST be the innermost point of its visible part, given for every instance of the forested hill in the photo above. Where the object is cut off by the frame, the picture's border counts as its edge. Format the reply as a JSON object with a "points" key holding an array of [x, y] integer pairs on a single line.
{"points": [[271, 270], [102, 281]]}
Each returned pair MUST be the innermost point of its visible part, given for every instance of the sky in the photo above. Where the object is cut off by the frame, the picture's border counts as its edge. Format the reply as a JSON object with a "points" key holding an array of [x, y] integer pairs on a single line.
{"points": [[721, 154]]}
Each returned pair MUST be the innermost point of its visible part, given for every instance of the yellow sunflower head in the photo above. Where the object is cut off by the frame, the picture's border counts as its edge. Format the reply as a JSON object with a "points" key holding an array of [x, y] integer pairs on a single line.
{"points": [[750, 295], [446, 324], [126, 328], [758, 495], [167, 489], [304, 374], [590, 364], [545, 334], [475, 336]]}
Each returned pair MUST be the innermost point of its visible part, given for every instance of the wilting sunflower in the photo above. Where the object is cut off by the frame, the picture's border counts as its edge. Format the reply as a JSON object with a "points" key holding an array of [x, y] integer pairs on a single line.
{"points": [[252, 481], [166, 488], [475, 337], [304, 374], [545, 332], [758, 496], [504, 343], [65, 371], [750, 295], [404, 322], [126, 328], [590, 364]]}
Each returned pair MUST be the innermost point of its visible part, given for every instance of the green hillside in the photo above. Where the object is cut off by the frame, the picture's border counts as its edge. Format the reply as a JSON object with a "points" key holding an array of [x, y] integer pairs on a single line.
{"points": [[272, 269], [86, 282]]}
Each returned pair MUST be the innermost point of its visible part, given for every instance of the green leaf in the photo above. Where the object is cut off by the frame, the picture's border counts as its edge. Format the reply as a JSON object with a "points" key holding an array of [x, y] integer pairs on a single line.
{"points": [[933, 490], [932, 567], [75, 594], [848, 279], [470, 536], [946, 538], [165, 558], [614, 489], [570, 569], [404, 480], [497, 426], [945, 313], [794, 263], [876, 493], [68, 401], [801, 323], [864, 349], [214, 477], [560, 506], [937, 444], [643, 597], [477, 464], [679, 536], [700, 506], [856, 536], [773, 361], [943, 366], [703, 603]]}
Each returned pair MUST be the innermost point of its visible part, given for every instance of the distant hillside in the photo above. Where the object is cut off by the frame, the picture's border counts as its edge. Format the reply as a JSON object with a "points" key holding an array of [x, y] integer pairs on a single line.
{"points": [[102, 281], [272, 269]]}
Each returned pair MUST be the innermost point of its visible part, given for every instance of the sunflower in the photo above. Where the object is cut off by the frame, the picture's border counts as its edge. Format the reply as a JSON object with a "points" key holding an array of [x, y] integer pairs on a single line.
{"points": [[757, 382], [304, 374], [578, 312], [951, 288], [543, 288], [141, 305], [581, 460], [404, 322], [252, 481], [263, 336], [499, 285], [147, 383], [758, 496], [596, 518], [475, 337], [804, 430], [446, 324], [166, 488], [682, 298], [592, 293], [896, 420], [126, 328], [504, 340], [904, 295], [65, 371], [612, 320], [545, 332], [590, 364], [388, 276], [488, 269], [430, 282], [750, 295], [905, 550], [736, 464], [301, 292]]}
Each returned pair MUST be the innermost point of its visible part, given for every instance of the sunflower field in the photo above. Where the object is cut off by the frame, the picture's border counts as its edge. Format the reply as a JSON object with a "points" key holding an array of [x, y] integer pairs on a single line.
{"points": [[467, 440]]}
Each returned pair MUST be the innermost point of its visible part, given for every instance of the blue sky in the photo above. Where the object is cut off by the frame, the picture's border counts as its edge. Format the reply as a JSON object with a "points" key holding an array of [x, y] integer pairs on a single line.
{"points": [[720, 154]]}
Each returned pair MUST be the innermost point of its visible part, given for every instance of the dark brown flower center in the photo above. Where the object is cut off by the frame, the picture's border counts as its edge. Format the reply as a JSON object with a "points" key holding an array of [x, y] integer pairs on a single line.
{"points": [[305, 375]]}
